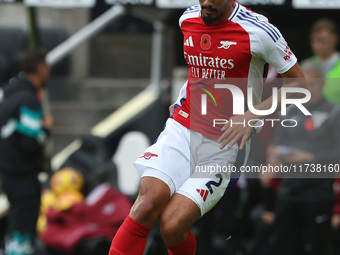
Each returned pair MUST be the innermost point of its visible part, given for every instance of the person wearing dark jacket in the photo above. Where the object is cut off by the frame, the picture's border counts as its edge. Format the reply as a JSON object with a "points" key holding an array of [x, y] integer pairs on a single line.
{"points": [[305, 201], [23, 134]]}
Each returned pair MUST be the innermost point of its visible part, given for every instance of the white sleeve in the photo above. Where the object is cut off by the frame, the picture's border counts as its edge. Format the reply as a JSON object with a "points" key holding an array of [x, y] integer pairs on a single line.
{"points": [[182, 93], [274, 50], [281, 56], [192, 12]]}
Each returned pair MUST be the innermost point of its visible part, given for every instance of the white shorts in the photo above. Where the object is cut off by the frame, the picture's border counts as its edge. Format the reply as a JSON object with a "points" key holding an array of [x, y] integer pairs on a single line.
{"points": [[192, 164]]}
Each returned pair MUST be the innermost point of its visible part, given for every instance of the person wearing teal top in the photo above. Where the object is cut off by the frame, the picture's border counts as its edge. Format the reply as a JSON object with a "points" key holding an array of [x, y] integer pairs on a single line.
{"points": [[324, 39]]}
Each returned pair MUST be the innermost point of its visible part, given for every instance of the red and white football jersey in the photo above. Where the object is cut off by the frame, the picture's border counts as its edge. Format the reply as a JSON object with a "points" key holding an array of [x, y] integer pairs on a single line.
{"points": [[234, 52]]}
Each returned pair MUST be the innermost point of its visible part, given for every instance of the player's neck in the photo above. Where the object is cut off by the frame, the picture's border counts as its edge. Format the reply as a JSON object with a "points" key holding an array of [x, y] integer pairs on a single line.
{"points": [[229, 11]]}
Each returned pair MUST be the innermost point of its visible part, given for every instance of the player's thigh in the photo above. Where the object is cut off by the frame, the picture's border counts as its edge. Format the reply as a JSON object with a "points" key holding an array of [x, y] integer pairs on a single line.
{"points": [[169, 157]]}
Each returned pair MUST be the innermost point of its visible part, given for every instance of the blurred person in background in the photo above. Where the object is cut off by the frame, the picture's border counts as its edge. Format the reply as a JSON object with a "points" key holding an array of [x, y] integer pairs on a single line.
{"points": [[324, 39], [24, 132], [304, 206]]}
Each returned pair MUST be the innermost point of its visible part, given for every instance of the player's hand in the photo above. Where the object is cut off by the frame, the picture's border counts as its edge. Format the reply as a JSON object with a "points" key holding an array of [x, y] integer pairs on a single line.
{"points": [[236, 132], [171, 109]]}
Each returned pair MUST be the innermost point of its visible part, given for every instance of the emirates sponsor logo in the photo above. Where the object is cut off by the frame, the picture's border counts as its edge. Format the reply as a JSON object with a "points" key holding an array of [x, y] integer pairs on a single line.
{"points": [[204, 61]]}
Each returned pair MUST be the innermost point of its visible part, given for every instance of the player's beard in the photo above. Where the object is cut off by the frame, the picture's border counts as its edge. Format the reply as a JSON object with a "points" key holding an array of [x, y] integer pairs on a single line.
{"points": [[208, 20]]}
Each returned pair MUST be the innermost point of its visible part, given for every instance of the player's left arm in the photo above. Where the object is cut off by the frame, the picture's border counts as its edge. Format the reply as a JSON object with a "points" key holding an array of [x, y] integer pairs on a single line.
{"points": [[232, 134]]}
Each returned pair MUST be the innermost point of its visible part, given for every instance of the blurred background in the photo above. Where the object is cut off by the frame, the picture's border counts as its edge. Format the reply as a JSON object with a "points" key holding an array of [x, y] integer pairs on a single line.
{"points": [[117, 65]]}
